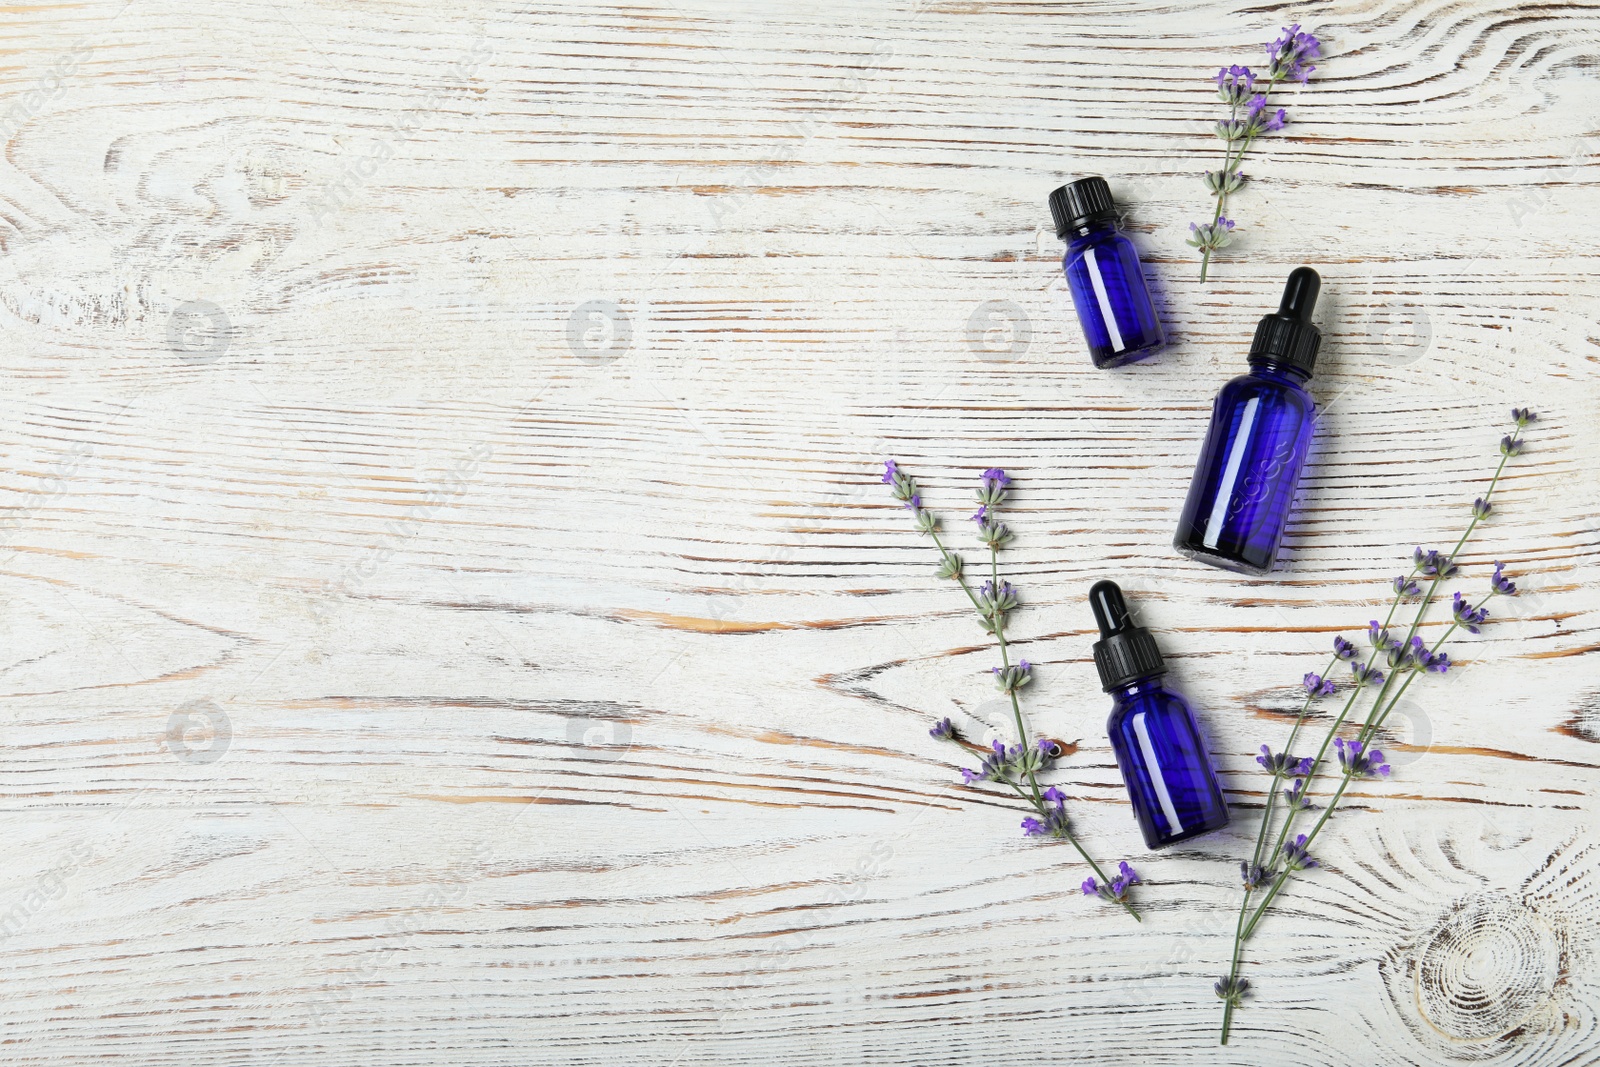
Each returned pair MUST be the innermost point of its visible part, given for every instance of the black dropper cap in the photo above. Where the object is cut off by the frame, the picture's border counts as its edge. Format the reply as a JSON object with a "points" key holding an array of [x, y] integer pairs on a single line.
{"points": [[1125, 652], [1079, 203], [1288, 337]]}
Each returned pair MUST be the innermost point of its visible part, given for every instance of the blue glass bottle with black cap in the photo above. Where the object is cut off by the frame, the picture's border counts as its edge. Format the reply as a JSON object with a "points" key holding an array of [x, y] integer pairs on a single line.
{"points": [[1154, 735], [1104, 275], [1244, 481]]}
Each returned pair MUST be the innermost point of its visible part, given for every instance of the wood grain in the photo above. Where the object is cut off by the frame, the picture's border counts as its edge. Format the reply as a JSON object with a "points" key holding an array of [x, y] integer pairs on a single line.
{"points": [[452, 615]]}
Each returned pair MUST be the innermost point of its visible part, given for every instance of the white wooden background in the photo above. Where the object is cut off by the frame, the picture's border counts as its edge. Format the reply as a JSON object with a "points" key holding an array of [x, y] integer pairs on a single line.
{"points": [[451, 614]]}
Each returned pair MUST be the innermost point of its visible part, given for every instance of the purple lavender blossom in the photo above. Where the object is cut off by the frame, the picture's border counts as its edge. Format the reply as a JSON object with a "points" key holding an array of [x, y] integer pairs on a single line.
{"points": [[1467, 615], [1232, 990], [1117, 891], [1235, 83], [1500, 583], [1254, 124], [1359, 763], [1343, 649], [1522, 416], [1404, 586], [1510, 445], [1295, 856], [1286, 56], [1316, 685], [891, 471], [1254, 875], [993, 490], [1363, 675], [1381, 639], [1434, 565], [1010, 679], [1054, 823], [1281, 763], [981, 516], [1481, 508], [1438, 662], [1125, 878], [945, 730]]}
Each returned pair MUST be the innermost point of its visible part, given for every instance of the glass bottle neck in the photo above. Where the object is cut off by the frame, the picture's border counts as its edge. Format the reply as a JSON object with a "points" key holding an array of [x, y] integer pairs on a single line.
{"points": [[1266, 367], [1090, 230], [1138, 687]]}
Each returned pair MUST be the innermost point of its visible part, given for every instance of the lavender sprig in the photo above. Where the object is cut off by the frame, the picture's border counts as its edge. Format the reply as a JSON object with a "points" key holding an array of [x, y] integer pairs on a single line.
{"points": [[1407, 656], [1016, 765], [1248, 118]]}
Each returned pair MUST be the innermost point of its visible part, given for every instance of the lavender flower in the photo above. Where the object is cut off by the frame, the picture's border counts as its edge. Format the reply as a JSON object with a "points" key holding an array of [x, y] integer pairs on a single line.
{"points": [[1295, 795], [1218, 182], [1404, 586], [1010, 679], [1213, 235], [1468, 616], [1481, 508], [1054, 822], [1282, 763], [1255, 125], [1401, 656], [945, 730], [1358, 763], [1286, 57], [1380, 637], [1433, 565], [1343, 649], [1316, 685], [995, 765], [993, 490], [997, 599], [1235, 84], [903, 485], [1295, 856], [1510, 445], [1437, 661], [1363, 675], [1254, 875], [1117, 891], [1232, 990], [991, 532], [1522, 416], [1500, 583]]}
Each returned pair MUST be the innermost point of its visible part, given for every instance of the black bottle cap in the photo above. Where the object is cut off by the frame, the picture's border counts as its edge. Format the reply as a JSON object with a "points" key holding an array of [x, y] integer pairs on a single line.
{"points": [[1079, 203], [1288, 336], [1125, 652]]}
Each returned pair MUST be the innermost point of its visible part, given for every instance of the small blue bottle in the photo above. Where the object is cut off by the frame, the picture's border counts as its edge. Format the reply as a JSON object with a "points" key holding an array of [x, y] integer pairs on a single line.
{"points": [[1103, 272], [1261, 425], [1159, 750]]}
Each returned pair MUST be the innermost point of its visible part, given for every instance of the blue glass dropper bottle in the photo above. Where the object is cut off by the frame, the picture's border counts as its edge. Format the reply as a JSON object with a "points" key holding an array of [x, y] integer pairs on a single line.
{"points": [[1244, 481], [1102, 268], [1157, 742]]}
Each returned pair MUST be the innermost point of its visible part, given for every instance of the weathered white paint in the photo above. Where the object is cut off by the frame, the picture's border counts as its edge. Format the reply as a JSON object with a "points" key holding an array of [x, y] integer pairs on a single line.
{"points": [[464, 421]]}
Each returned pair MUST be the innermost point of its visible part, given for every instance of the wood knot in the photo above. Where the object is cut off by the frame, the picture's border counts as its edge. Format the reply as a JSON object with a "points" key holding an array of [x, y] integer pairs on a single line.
{"points": [[1485, 968]]}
